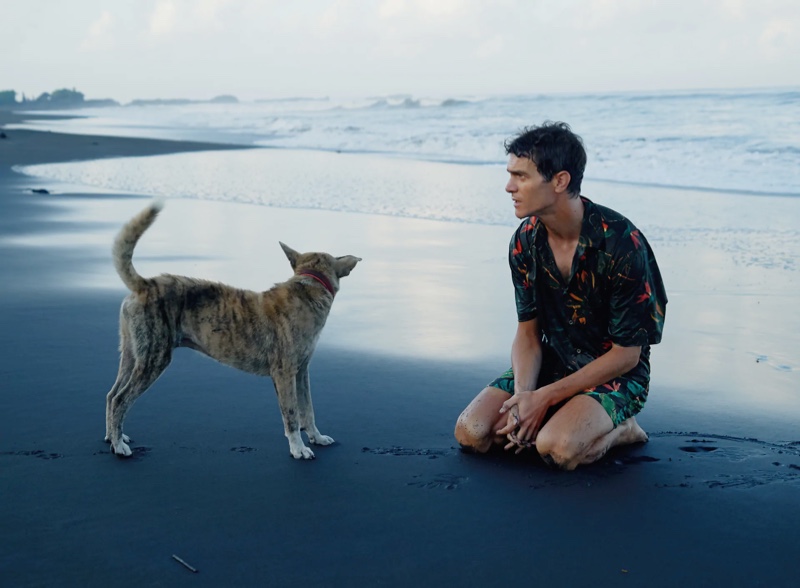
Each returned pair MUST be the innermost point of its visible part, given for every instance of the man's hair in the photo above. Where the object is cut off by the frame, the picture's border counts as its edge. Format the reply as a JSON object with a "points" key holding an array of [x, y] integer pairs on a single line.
{"points": [[553, 148]]}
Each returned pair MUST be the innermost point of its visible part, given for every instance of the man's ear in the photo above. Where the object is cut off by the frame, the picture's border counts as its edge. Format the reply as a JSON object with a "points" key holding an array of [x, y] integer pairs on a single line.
{"points": [[291, 254], [561, 181], [344, 265]]}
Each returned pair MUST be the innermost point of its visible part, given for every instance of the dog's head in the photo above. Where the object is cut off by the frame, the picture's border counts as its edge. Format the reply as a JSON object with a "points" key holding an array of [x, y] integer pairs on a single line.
{"points": [[332, 267]]}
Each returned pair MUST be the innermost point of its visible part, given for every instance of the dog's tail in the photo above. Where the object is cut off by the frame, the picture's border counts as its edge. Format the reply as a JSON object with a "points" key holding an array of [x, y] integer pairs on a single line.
{"points": [[126, 241]]}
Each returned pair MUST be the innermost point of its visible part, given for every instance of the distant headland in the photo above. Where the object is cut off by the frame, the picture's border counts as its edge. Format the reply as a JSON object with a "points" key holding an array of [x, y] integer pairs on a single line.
{"points": [[66, 99]]}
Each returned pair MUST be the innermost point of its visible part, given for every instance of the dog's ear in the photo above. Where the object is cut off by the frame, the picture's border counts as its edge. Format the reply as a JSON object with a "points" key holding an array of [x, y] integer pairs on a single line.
{"points": [[345, 264], [291, 254]]}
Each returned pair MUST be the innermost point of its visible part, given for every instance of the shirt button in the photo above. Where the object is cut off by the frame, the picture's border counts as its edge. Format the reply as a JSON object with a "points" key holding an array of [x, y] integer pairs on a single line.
{"points": [[570, 322], [578, 351]]}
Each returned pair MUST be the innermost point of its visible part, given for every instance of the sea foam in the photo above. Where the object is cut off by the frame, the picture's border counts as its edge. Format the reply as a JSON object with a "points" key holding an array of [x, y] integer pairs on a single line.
{"points": [[733, 141]]}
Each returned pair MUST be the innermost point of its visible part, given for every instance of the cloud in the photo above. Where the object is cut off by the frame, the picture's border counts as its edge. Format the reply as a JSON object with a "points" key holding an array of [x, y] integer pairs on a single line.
{"points": [[171, 17], [777, 38], [209, 10], [734, 9], [211, 13], [420, 8], [442, 8], [391, 8], [491, 47], [99, 35], [163, 19], [254, 48], [332, 17]]}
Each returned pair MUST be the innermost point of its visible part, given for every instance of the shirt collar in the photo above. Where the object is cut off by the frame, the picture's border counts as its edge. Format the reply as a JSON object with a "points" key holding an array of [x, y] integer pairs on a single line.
{"points": [[593, 233]]}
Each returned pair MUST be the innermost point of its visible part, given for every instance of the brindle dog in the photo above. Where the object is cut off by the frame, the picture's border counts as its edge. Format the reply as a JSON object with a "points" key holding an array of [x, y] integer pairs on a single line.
{"points": [[271, 333]]}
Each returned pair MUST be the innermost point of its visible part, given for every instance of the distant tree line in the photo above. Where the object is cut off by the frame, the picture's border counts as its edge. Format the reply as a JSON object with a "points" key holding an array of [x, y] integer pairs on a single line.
{"points": [[57, 97], [63, 98], [8, 97]]}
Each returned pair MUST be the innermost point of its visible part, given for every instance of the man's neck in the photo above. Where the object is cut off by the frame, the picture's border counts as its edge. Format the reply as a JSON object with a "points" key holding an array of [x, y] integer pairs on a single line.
{"points": [[565, 221]]}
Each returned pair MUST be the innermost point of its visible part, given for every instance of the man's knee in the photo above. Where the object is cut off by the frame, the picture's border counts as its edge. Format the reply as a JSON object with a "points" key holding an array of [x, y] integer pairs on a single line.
{"points": [[475, 426], [472, 433], [559, 449], [570, 437], [467, 432]]}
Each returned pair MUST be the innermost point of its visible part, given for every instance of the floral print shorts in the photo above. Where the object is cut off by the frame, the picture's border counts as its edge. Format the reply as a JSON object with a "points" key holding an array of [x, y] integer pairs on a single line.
{"points": [[621, 398]]}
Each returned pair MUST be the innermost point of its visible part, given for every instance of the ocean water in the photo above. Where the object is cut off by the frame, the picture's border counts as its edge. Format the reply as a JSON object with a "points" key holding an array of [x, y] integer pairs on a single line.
{"points": [[731, 141], [719, 170]]}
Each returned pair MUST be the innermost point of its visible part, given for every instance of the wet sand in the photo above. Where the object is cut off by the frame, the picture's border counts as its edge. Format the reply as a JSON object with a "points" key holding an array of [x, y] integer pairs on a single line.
{"points": [[711, 500]]}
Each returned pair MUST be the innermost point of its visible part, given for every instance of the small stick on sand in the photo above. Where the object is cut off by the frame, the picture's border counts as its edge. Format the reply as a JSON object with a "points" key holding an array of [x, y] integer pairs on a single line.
{"points": [[184, 564]]}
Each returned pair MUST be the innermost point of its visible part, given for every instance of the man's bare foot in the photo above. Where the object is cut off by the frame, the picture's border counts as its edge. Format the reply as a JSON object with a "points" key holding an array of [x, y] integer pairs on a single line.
{"points": [[631, 432]]}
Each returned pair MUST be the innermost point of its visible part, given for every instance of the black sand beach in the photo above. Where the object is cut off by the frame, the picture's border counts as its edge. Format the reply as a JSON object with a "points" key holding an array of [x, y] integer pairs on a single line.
{"points": [[392, 503]]}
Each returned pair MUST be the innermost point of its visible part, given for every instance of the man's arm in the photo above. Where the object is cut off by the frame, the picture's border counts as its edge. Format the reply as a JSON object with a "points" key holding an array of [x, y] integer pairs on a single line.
{"points": [[526, 355], [533, 404], [526, 362]]}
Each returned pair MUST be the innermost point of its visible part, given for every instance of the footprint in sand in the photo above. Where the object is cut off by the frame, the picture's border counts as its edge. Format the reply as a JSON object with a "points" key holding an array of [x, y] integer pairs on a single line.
{"points": [[698, 449], [407, 451], [438, 481], [37, 453], [730, 462], [139, 452], [775, 364]]}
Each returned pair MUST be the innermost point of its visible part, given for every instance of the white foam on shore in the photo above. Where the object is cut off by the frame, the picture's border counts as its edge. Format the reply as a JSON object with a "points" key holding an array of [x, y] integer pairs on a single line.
{"points": [[733, 140], [754, 230]]}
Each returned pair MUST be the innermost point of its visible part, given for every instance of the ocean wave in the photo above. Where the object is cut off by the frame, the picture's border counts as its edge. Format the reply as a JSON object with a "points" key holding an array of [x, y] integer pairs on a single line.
{"points": [[780, 95], [411, 102], [775, 150], [387, 103], [450, 102], [739, 141], [292, 99]]}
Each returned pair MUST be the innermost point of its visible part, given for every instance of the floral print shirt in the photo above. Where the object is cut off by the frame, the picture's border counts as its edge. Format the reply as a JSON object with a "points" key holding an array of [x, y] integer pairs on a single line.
{"points": [[614, 294]]}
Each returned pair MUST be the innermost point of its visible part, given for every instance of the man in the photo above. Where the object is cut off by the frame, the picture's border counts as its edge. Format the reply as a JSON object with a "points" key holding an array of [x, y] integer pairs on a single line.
{"points": [[590, 302]]}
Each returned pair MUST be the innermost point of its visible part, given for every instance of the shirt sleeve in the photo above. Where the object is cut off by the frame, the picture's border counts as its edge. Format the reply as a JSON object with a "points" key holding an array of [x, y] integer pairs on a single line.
{"points": [[522, 261], [638, 301]]}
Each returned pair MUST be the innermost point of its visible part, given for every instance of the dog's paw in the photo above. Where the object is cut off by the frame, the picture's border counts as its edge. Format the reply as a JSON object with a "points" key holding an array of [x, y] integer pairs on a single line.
{"points": [[121, 449], [320, 439], [125, 438], [301, 452]]}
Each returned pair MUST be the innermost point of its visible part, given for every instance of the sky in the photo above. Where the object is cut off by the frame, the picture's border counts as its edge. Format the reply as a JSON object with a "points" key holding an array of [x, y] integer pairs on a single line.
{"points": [[198, 49]]}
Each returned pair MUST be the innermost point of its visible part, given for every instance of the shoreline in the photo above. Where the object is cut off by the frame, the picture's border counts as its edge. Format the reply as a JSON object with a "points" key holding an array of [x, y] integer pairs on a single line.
{"points": [[393, 502], [245, 140], [28, 147]]}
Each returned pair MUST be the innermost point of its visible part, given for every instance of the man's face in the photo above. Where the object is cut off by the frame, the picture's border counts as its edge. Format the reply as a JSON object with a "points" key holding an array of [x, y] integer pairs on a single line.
{"points": [[531, 194]]}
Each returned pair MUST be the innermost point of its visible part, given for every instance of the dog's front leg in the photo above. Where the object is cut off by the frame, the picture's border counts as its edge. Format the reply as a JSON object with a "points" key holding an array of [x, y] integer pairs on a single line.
{"points": [[285, 386], [307, 409]]}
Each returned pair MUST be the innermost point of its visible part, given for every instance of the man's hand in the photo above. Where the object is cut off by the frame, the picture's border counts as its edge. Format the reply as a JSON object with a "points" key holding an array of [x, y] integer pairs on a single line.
{"points": [[526, 411], [510, 431]]}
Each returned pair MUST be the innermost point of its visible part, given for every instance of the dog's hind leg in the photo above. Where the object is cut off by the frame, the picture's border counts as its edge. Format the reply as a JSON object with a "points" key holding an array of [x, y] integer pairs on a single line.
{"points": [[123, 379], [286, 388], [126, 363], [144, 373], [306, 408]]}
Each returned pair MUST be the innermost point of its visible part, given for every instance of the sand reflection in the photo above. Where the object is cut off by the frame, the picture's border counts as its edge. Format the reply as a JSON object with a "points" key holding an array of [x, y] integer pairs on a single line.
{"points": [[441, 290]]}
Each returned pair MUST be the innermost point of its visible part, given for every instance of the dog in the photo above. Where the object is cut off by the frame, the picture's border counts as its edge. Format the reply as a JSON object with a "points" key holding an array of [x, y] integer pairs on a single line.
{"points": [[271, 333]]}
